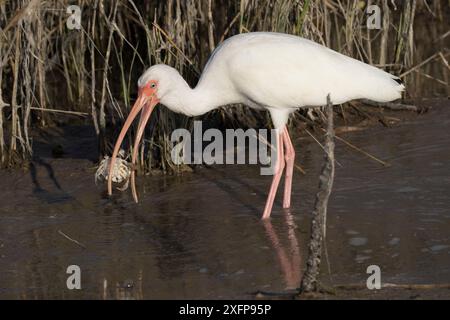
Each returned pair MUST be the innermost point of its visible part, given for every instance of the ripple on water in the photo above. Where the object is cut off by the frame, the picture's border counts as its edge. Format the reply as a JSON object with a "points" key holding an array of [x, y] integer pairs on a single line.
{"points": [[407, 190], [358, 241], [394, 241], [361, 258], [439, 247]]}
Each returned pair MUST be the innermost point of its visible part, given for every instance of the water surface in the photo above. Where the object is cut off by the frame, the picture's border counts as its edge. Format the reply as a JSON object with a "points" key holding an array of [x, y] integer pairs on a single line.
{"points": [[199, 235]]}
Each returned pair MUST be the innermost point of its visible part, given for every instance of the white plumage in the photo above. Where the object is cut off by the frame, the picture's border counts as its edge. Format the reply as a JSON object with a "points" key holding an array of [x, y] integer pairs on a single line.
{"points": [[273, 71]]}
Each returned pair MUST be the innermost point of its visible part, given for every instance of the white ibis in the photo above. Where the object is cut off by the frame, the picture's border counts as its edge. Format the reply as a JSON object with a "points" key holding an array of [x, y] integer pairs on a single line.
{"points": [[277, 72]]}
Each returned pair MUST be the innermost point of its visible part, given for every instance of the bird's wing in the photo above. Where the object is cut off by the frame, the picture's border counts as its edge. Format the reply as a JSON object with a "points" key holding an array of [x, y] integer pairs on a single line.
{"points": [[284, 71]]}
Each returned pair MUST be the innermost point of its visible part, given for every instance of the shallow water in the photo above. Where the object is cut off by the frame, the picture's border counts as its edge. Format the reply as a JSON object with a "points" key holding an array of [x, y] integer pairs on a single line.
{"points": [[199, 235]]}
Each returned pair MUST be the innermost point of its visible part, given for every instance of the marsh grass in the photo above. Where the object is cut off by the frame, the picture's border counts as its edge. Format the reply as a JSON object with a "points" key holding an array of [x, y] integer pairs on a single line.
{"points": [[45, 66]]}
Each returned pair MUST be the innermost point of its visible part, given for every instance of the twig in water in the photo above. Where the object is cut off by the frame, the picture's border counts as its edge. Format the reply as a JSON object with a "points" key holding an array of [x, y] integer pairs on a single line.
{"points": [[299, 168], [318, 225], [348, 144], [363, 152], [70, 239], [321, 145]]}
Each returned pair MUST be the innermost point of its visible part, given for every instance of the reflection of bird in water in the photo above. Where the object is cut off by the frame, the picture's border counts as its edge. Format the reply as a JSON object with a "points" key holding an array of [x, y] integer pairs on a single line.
{"points": [[289, 260], [276, 72]]}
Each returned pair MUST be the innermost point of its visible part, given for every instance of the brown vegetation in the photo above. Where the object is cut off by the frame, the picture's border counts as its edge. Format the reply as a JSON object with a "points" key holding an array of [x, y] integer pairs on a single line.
{"points": [[92, 72]]}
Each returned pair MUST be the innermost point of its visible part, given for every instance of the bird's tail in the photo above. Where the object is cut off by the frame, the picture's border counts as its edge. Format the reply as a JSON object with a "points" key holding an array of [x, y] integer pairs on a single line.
{"points": [[385, 87]]}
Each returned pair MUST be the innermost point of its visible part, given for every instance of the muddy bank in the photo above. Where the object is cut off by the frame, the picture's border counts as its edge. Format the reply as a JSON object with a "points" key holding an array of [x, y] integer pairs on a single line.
{"points": [[199, 235]]}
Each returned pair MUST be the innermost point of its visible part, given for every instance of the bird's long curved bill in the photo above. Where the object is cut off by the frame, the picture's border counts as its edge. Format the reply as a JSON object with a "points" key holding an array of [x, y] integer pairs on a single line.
{"points": [[145, 104]]}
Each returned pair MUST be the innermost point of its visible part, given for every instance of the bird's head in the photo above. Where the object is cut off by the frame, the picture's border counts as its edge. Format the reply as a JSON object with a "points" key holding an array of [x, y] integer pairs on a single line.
{"points": [[154, 86]]}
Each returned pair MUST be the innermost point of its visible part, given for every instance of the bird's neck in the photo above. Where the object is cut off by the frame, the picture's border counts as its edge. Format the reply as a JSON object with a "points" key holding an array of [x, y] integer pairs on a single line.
{"points": [[194, 102]]}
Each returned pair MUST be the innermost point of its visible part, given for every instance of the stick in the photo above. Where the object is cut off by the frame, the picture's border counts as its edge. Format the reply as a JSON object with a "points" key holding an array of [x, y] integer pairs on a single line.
{"points": [[363, 152], [357, 286], [161, 30], [210, 27], [233, 21], [321, 145], [434, 56], [431, 77], [299, 168], [83, 114], [20, 14], [318, 224], [444, 60], [70, 239], [390, 105], [350, 145], [76, 113], [288, 294]]}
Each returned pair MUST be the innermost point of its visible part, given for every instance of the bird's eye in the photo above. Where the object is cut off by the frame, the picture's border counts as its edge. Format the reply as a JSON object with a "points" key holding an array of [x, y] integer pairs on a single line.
{"points": [[152, 85]]}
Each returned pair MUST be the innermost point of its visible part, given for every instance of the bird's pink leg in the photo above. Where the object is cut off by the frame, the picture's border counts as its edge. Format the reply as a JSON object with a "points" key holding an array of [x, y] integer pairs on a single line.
{"points": [[289, 157], [279, 166]]}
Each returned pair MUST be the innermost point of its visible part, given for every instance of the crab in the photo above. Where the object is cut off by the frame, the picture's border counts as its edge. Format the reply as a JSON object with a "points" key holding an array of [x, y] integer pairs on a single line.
{"points": [[121, 171]]}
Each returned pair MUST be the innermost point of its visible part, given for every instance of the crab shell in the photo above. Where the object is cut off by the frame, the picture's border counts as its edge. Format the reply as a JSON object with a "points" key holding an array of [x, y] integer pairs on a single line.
{"points": [[121, 171]]}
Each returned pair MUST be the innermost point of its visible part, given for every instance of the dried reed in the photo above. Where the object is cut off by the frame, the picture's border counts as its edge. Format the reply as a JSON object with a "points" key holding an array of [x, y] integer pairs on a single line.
{"points": [[45, 65]]}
